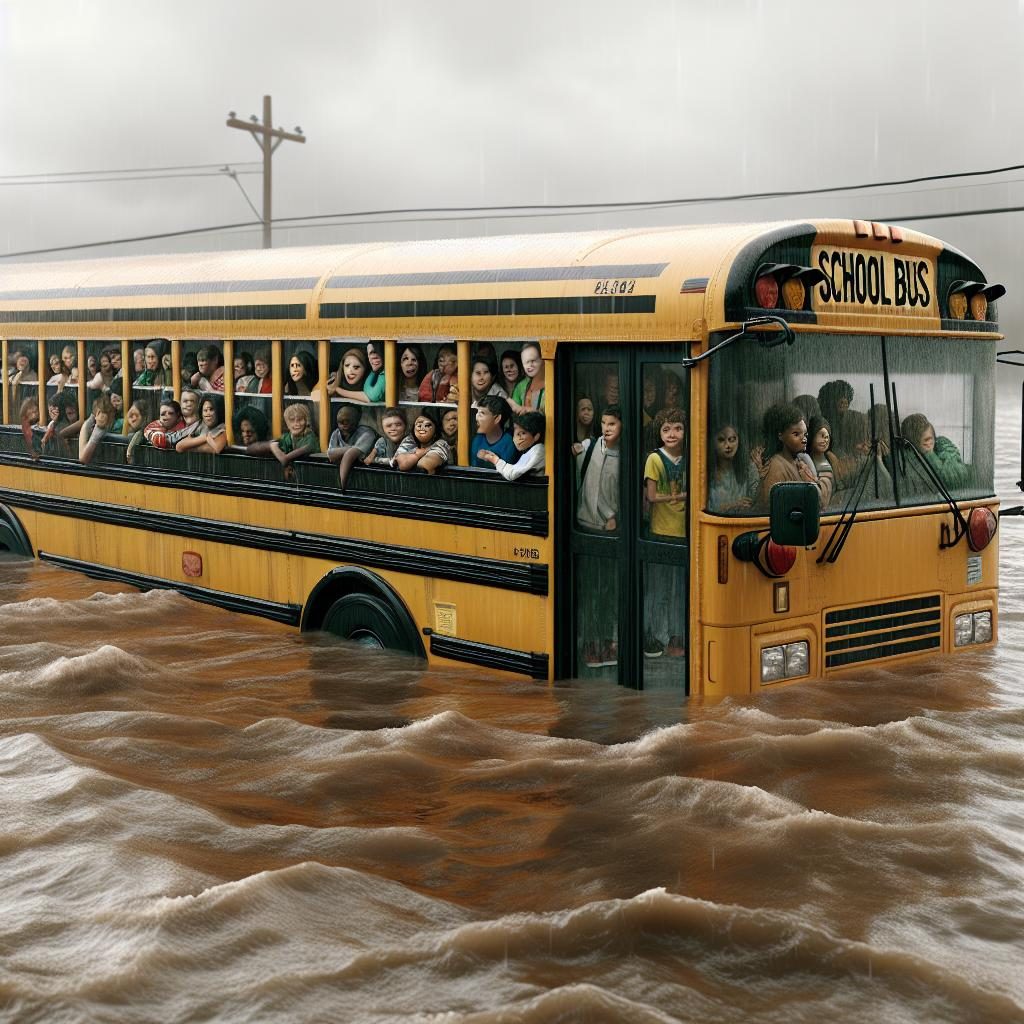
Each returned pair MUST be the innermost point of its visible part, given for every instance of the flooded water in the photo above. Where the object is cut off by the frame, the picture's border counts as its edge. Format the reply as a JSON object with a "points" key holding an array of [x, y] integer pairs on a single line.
{"points": [[212, 818]]}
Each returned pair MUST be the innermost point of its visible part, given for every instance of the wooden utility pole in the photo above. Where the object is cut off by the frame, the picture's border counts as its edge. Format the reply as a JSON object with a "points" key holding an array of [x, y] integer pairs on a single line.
{"points": [[268, 138]]}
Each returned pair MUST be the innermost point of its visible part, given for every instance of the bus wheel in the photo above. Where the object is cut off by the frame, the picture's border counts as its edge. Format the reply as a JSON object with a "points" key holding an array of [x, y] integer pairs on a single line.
{"points": [[367, 620]]}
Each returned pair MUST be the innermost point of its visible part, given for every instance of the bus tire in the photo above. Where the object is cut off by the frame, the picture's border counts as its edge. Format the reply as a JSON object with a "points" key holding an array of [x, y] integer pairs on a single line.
{"points": [[13, 538], [367, 620]]}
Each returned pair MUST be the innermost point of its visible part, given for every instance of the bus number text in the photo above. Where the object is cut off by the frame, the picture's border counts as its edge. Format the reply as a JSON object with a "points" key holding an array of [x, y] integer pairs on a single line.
{"points": [[614, 287], [533, 553]]}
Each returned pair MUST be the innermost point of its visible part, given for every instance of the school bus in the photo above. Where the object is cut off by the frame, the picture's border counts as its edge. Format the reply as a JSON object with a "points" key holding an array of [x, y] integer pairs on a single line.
{"points": [[878, 548]]}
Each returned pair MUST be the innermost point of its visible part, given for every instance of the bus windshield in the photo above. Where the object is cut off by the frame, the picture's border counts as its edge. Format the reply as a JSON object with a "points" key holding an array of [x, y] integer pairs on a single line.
{"points": [[834, 384]]}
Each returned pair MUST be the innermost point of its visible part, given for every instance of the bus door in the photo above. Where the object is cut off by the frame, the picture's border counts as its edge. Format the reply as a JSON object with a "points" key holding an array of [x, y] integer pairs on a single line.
{"points": [[623, 557]]}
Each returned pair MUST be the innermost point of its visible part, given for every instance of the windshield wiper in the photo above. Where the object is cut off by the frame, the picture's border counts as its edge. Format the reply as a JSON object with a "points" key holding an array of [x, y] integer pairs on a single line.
{"points": [[905, 447]]}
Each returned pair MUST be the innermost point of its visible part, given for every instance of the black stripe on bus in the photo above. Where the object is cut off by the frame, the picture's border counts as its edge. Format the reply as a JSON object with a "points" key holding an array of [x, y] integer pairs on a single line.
{"points": [[578, 305], [395, 505], [507, 275], [117, 291], [279, 612], [524, 663], [283, 311], [528, 577]]}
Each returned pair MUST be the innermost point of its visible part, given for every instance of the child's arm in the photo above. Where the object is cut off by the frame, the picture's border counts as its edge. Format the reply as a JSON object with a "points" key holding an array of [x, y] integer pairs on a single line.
{"points": [[531, 460], [655, 498], [89, 439]]}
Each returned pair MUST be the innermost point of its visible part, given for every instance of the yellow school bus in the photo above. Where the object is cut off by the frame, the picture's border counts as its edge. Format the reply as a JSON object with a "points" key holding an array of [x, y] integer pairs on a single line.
{"points": [[658, 547]]}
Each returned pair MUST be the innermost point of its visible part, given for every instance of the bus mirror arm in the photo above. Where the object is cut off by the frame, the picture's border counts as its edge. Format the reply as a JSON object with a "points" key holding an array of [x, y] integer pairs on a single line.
{"points": [[785, 336]]}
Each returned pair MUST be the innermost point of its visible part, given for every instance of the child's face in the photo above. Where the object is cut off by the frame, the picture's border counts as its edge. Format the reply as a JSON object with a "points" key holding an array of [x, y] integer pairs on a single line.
{"points": [[447, 362], [510, 369], [611, 430], [424, 429], [842, 404], [261, 368], [672, 435], [927, 442], [239, 365], [188, 404], [152, 360], [52, 411], [410, 364], [134, 419], [103, 419], [482, 379], [104, 363], [532, 361], [486, 421], [296, 421], [115, 361], [650, 390], [295, 368], [726, 443], [375, 359], [204, 365], [168, 416], [352, 369], [55, 364], [450, 422], [523, 439], [140, 360], [794, 437], [585, 412], [347, 421], [116, 401], [394, 428], [819, 445], [611, 389], [209, 414], [246, 432]]}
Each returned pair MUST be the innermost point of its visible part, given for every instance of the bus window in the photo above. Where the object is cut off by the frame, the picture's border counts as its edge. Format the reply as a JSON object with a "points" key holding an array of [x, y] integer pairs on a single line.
{"points": [[302, 379], [829, 382], [945, 398]]}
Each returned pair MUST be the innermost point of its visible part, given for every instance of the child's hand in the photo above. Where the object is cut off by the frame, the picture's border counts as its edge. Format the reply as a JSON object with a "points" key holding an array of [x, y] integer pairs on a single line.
{"points": [[577, 448], [611, 525], [488, 456]]}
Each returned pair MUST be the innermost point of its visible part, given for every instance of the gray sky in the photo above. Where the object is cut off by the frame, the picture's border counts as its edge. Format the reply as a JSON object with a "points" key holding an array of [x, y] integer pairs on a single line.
{"points": [[451, 102]]}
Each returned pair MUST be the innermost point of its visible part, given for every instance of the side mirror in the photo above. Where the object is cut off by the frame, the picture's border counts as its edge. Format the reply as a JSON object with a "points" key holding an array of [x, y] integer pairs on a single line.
{"points": [[794, 514]]}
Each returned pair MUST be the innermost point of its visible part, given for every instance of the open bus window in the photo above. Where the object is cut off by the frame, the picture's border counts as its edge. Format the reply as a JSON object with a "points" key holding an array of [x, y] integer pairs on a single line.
{"points": [[946, 398], [597, 452]]}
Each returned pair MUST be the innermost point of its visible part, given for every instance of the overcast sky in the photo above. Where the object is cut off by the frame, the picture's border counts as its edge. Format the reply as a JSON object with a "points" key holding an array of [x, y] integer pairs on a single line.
{"points": [[414, 104]]}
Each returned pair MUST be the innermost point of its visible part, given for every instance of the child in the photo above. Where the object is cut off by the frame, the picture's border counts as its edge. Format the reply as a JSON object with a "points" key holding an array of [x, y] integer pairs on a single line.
{"points": [[352, 442], [117, 401], [424, 448], [297, 442], [395, 427], [373, 386], [251, 426], [483, 379], [161, 432], [597, 510], [665, 490], [350, 380], [435, 385], [210, 435], [29, 416], [492, 414], [734, 476], [597, 463], [529, 392], [528, 438], [95, 428], [450, 432], [584, 419]]}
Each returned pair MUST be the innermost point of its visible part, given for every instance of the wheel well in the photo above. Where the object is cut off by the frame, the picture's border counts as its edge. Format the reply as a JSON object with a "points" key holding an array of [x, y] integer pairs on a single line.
{"points": [[13, 537], [352, 580]]}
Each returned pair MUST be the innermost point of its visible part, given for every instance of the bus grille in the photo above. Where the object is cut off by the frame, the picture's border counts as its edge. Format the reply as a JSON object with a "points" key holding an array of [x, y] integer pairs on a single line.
{"points": [[873, 631]]}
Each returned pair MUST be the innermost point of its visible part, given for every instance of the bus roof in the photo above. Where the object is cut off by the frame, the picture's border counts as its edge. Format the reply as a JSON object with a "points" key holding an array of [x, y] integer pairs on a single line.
{"points": [[640, 284]]}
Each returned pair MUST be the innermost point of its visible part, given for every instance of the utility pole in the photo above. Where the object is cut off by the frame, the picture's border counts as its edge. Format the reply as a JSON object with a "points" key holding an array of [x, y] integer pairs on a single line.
{"points": [[268, 138]]}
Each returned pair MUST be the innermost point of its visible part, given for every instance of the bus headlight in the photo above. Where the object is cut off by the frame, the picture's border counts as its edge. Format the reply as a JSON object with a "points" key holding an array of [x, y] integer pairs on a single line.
{"points": [[787, 661], [972, 628]]}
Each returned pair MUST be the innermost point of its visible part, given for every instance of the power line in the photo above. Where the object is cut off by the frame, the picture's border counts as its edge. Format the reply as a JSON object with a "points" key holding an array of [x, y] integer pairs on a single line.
{"points": [[257, 223], [127, 170], [145, 177]]}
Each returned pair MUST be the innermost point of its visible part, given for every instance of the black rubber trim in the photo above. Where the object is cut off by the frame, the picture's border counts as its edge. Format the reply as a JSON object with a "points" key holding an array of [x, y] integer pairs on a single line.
{"points": [[286, 613], [525, 663], [528, 577], [533, 522], [579, 305], [154, 314]]}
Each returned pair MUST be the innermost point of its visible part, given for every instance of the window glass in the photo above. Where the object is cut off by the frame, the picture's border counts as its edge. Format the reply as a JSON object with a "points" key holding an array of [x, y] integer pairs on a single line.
{"points": [[810, 412], [945, 394], [597, 616], [597, 452], [664, 626], [254, 388]]}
